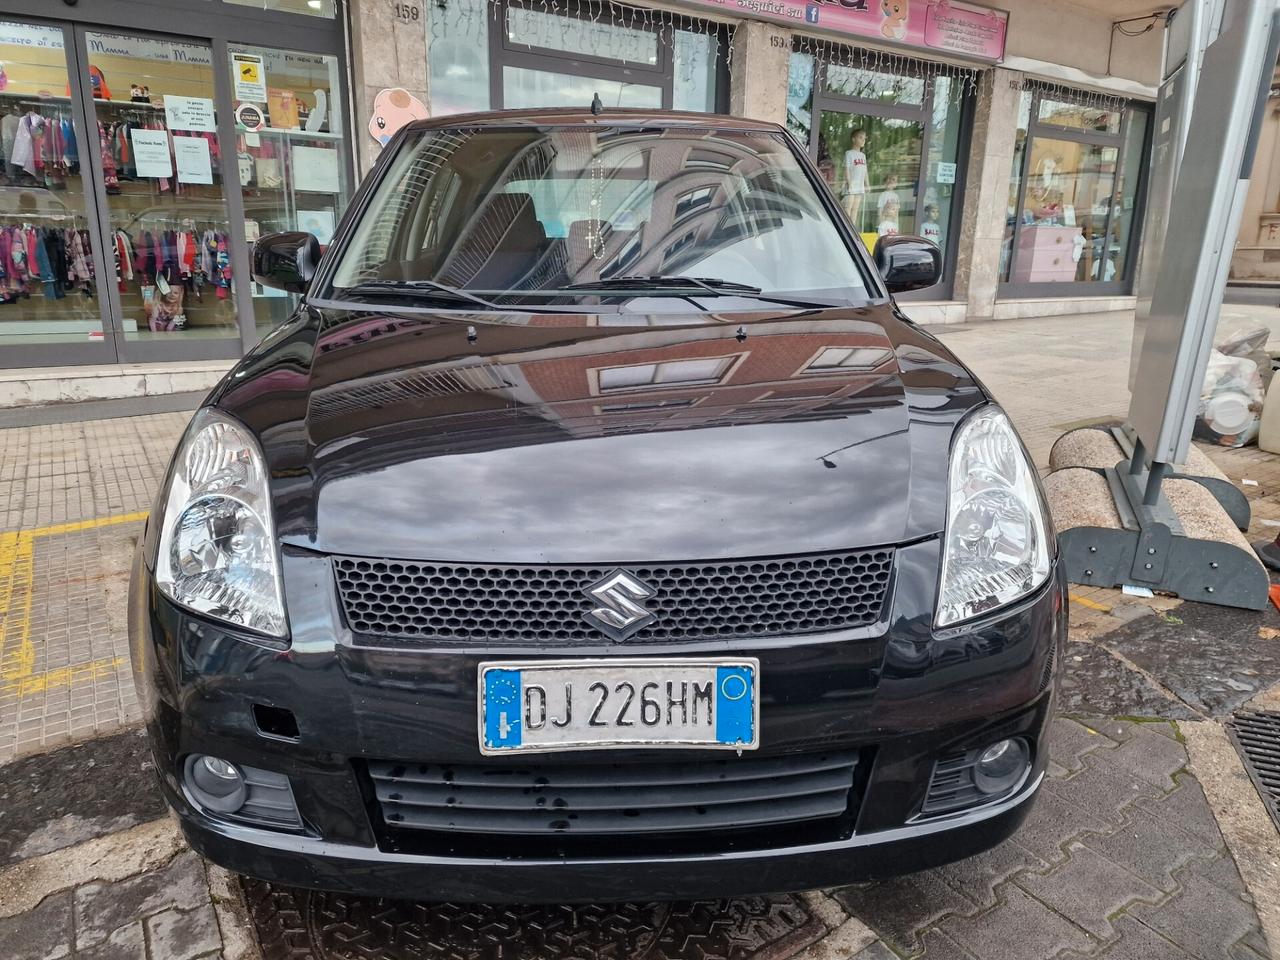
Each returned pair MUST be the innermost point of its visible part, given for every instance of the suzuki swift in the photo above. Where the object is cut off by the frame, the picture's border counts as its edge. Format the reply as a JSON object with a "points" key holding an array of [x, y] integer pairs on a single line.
{"points": [[596, 528]]}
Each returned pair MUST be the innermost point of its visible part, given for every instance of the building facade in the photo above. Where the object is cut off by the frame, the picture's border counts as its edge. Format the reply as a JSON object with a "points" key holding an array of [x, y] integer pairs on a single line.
{"points": [[146, 145]]}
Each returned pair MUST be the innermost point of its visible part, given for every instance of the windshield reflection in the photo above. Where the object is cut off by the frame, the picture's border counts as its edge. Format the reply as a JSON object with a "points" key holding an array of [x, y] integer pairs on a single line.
{"points": [[519, 214]]}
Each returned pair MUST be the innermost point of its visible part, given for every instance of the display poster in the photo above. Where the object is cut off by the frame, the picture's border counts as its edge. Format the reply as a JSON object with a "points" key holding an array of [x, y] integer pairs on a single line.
{"points": [[317, 222], [962, 28], [192, 156], [151, 152], [189, 113], [316, 169], [250, 77]]}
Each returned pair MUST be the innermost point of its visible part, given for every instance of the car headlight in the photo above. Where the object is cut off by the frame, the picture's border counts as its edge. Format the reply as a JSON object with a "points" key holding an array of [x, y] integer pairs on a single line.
{"points": [[217, 547], [998, 538]]}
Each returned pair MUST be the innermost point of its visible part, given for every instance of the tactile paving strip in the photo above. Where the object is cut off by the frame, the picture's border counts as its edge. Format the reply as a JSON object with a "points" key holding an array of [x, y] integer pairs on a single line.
{"points": [[297, 924], [1257, 739]]}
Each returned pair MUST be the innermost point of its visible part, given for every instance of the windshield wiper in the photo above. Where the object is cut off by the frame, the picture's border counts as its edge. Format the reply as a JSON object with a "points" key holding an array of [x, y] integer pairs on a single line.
{"points": [[661, 281], [685, 287], [417, 290]]}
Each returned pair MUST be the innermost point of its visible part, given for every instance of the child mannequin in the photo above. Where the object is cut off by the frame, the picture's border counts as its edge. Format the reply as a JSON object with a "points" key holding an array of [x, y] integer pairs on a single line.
{"points": [[931, 229], [855, 175], [889, 219], [890, 192]]}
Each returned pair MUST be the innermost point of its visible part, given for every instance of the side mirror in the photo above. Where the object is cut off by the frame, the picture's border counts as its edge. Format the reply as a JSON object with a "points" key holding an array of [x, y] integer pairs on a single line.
{"points": [[908, 263], [286, 261]]}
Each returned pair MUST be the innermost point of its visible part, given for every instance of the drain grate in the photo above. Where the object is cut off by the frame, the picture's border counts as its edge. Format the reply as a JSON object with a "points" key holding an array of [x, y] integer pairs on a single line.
{"points": [[1257, 739]]}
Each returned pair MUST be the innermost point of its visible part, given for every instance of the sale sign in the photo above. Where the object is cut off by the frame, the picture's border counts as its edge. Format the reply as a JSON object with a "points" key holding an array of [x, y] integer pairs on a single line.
{"points": [[947, 25]]}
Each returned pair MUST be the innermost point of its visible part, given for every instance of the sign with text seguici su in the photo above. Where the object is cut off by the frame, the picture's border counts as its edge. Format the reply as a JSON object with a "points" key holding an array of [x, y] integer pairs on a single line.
{"points": [[951, 26]]}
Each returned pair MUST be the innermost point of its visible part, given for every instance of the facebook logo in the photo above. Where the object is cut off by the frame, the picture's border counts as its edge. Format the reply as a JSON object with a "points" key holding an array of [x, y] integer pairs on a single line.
{"points": [[811, 13]]}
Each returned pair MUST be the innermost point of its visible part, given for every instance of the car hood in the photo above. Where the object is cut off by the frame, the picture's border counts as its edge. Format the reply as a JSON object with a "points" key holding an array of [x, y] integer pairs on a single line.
{"points": [[567, 438]]}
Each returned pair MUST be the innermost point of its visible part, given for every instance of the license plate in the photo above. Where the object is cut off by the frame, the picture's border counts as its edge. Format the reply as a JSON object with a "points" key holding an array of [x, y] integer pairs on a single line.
{"points": [[609, 704]]}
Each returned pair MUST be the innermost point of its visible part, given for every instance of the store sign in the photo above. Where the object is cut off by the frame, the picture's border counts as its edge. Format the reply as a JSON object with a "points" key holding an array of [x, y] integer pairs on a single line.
{"points": [[954, 27]]}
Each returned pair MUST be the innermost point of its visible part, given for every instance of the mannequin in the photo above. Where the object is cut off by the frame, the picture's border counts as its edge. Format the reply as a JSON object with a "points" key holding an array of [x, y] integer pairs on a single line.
{"points": [[855, 175]]}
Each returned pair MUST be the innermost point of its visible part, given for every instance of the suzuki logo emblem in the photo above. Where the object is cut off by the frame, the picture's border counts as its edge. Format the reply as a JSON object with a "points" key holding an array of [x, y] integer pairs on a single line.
{"points": [[620, 613]]}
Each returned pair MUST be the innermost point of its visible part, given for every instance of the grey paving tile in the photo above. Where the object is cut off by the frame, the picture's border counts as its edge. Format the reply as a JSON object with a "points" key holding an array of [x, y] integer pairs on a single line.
{"points": [[183, 934], [43, 933], [101, 907], [899, 909], [1203, 919], [124, 943], [978, 876], [1147, 847], [1020, 928], [1088, 889]]}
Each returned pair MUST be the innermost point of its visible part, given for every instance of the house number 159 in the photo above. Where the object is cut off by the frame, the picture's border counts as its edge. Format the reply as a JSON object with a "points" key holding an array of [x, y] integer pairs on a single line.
{"points": [[408, 12]]}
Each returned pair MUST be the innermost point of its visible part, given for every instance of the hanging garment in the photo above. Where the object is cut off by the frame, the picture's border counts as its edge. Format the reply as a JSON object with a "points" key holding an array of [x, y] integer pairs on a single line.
{"points": [[43, 268], [9, 134], [109, 177], [23, 154], [69, 153], [80, 268]]}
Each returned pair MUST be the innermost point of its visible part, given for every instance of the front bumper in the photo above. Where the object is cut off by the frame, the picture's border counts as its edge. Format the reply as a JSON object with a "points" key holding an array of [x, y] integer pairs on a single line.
{"points": [[900, 694]]}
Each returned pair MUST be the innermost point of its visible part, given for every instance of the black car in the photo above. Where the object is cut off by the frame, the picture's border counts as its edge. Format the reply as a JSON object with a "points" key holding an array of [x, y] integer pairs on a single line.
{"points": [[597, 528]]}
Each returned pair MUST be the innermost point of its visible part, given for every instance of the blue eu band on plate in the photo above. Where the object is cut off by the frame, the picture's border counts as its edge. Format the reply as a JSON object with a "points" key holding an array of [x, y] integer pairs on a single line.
{"points": [[532, 707]]}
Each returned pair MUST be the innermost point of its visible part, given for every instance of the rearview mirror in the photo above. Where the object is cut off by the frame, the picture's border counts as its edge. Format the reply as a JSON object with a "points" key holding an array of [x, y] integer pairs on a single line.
{"points": [[908, 263], [286, 261]]}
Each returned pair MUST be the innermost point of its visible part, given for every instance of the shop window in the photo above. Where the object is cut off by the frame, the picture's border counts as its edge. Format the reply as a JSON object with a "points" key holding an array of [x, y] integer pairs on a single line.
{"points": [[800, 95], [48, 287], [683, 372], [863, 84], [289, 157], [1063, 113], [459, 56], [1073, 194], [888, 144], [549, 57], [314, 8], [696, 58], [555, 31]]}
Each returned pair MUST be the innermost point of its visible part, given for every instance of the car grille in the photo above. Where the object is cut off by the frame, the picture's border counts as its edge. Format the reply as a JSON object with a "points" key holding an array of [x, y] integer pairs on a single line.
{"points": [[614, 799], [546, 604]]}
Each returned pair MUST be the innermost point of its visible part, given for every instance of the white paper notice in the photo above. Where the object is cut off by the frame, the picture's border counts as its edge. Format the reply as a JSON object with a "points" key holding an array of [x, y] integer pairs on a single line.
{"points": [[315, 169], [189, 113], [192, 154], [946, 173], [250, 77], [151, 152]]}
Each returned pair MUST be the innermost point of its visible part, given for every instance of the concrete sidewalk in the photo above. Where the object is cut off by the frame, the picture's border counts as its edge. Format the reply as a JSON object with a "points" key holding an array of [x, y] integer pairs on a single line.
{"points": [[1148, 840]]}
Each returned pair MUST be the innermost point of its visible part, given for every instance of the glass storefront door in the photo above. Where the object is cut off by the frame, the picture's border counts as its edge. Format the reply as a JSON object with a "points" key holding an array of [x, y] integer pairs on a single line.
{"points": [[49, 278], [888, 145], [163, 167], [1073, 196], [130, 193]]}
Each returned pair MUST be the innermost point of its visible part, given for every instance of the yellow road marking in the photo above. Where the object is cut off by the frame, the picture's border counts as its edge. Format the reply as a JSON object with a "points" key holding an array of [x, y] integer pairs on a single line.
{"points": [[1092, 605], [17, 579]]}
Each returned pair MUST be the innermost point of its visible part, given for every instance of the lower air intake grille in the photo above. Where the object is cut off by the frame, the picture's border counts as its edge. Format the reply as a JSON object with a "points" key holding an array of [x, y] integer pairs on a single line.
{"points": [[779, 596], [952, 786], [625, 799]]}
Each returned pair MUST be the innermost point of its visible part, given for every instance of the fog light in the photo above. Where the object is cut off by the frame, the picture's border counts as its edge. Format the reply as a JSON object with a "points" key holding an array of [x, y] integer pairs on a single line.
{"points": [[1001, 765], [215, 783]]}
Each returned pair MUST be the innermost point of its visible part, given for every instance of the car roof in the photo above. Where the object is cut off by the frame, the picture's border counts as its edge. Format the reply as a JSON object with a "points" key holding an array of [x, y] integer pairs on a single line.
{"points": [[573, 116]]}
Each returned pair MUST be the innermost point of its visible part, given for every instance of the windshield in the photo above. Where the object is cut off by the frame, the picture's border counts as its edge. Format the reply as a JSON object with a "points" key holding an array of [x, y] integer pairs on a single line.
{"points": [[540, 216]]}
